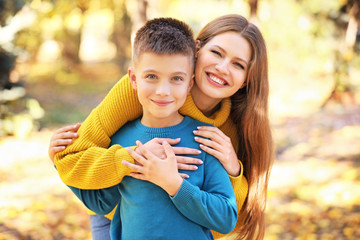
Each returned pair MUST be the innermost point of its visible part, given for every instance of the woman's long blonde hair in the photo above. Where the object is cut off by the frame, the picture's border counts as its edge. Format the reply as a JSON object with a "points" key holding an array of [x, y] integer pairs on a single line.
{"points": [[250, 114]]}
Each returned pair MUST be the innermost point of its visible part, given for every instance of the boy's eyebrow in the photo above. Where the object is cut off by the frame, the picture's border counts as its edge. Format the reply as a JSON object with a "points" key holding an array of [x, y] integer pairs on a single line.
{"points": [[241, 59], [174, 73]]}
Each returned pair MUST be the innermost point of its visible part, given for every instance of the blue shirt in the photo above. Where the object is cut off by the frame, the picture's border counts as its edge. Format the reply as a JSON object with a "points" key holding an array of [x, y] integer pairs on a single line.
{"points": [[145, 211]]}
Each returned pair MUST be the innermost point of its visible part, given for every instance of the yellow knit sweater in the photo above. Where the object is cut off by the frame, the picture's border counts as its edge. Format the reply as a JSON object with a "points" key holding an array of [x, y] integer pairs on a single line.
{"points": [[89, 163]]}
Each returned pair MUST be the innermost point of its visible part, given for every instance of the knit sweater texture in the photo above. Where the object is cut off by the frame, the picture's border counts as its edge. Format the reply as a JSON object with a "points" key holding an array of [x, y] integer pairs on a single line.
{"points": [[89, 162], [204, 201]]}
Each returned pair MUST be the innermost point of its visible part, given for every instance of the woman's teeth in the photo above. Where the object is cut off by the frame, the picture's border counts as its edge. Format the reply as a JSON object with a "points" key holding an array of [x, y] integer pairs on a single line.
{"points": [[217, 80]]}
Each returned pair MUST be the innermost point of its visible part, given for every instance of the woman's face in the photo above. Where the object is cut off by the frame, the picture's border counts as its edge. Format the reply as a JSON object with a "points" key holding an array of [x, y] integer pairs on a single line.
{"points": [[222, 65]]}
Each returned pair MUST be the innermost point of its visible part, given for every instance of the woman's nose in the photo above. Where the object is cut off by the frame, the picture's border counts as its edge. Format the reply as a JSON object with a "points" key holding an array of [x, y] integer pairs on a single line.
{"points": [[222, 66]]}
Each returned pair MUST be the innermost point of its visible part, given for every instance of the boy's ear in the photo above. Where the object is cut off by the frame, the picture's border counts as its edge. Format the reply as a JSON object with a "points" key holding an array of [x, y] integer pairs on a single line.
{"points": [[132, 77], [197, 48], [191, 83]]}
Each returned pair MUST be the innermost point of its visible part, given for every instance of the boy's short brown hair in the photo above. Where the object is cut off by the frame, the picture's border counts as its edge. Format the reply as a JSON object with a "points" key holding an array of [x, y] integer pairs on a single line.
{"points": [[164, 36]]}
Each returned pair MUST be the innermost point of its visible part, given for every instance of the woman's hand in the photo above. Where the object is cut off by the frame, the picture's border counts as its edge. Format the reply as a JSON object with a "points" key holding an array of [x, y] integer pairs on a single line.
{"points": [[219, 145], [162, 172], [62, 138], [183, 163]]}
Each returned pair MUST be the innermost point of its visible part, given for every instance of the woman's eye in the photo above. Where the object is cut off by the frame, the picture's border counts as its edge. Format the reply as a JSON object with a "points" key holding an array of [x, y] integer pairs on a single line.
{"points": [[216, 52], [239, 65]]}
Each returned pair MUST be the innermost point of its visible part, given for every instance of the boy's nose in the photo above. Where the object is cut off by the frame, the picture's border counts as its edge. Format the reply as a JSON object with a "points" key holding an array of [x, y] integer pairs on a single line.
{"points": [[163, 89], [222, 66]]}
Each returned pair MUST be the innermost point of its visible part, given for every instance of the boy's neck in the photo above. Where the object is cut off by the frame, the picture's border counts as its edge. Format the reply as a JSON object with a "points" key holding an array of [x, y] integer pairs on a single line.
{"points": [[153, 122]]}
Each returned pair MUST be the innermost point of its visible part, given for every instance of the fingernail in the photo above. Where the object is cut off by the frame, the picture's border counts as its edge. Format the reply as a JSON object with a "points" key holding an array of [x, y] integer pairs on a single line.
{"points": [[187, 176], [200, 162], [198, 151], [195, 131], [196, 138], [199, 127], [195, 167]]}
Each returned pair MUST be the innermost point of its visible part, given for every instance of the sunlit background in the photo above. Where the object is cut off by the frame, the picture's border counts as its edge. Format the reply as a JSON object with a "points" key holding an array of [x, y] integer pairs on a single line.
{"points": [[59, 58]]}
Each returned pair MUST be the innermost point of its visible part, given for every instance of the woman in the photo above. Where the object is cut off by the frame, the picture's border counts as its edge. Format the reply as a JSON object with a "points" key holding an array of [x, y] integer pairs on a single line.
{"points": [[231, 92]]}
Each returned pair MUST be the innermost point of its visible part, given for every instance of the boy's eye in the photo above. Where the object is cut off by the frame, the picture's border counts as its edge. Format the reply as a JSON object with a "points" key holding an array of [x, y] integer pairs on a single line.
{"points": [[178, 79], [150, 76], [216, 52], [239, 65]]}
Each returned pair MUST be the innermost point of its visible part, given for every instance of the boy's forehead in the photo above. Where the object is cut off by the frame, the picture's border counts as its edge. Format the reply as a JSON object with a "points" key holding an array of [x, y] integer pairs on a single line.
{"points": [[164, 62]]}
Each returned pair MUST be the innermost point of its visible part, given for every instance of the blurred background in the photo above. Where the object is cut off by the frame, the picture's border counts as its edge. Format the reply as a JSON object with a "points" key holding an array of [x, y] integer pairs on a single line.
{"points": [[59, 58]]}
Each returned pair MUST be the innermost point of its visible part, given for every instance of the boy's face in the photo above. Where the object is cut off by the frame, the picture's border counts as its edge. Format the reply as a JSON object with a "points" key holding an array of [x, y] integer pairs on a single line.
{"points": [[162, 83]]}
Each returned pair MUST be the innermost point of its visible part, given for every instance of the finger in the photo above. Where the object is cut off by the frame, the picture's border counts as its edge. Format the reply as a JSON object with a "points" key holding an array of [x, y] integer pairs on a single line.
{"points": [[67, 135], [211, 129], [61, 142], [183, 175], [186, 151], [211, 151], [211, 135], [188, 167], [63, 138], [69, 128], [207, 131], [188, 160], [171, 141], [137, 156], [144, 151], [133, 167], [138, 176], [57, 149], [168, 150], [210, 143]]}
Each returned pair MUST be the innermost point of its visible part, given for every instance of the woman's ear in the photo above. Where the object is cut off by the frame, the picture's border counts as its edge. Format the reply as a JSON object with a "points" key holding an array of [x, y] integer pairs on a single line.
{"points": [[132, 77], [244, 84]]}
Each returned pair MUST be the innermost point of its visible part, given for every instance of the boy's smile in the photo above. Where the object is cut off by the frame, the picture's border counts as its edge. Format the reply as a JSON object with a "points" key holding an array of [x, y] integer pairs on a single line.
{"points": [[162, 83]]}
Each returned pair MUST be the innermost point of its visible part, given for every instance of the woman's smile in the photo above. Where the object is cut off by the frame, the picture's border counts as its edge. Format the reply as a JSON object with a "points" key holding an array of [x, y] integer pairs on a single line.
{"points": [[216, 80]]}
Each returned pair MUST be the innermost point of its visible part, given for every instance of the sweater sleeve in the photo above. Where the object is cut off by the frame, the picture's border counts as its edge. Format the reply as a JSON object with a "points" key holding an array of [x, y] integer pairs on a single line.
{"points": [[88, 163], [214, 205], [100, 201], [240, 186]]}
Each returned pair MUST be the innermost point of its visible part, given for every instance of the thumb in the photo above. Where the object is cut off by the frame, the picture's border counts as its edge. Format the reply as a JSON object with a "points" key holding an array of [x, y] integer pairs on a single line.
{"points": [[168, 150], [171, 141]]}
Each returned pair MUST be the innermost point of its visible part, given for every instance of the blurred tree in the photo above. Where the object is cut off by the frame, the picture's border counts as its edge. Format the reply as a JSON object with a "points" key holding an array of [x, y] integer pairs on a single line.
{"points": [[9, 9], [122, 34], [7, 63], [18, 112], [347, 28], [253, 8], [7, 60]]}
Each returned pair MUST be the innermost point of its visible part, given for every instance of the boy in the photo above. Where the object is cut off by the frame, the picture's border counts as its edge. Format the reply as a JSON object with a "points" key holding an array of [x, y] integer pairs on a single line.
{"points": [[165, 206]]}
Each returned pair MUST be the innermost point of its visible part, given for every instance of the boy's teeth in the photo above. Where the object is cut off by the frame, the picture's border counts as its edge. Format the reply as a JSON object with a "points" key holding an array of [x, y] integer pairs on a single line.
{"points": [[217, 80]]}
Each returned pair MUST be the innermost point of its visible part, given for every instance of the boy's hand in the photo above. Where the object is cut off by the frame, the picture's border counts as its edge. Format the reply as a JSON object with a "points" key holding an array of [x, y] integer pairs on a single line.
{"points": [[162, 172], [183, 162]]}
